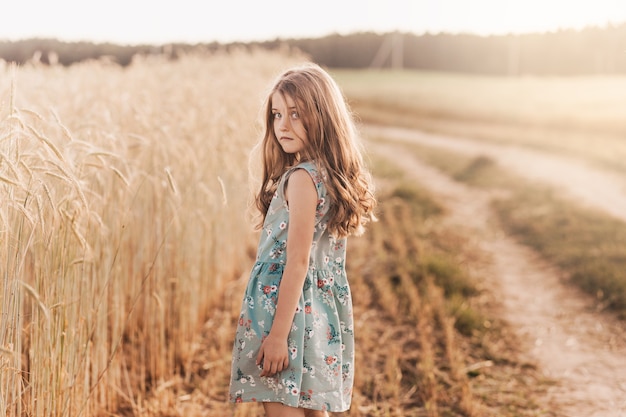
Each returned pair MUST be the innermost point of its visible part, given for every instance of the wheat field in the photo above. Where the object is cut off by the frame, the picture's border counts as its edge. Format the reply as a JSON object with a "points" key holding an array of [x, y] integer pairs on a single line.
{"points": [[124, 196], [126, 242]]}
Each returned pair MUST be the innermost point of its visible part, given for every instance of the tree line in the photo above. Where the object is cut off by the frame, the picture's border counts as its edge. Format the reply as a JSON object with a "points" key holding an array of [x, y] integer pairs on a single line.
{"points": [[593, 50]]}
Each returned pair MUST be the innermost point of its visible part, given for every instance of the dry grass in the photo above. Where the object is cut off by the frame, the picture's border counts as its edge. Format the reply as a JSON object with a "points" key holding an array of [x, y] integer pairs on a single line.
{"points": [[429, 341]]}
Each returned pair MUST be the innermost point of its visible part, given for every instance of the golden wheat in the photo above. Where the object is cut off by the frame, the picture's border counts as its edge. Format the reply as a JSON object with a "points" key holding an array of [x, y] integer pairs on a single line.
{"points": [[119, 227]]}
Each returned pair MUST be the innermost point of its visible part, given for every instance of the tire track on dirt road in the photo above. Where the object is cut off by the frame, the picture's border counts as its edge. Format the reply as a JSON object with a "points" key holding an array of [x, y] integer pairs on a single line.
{"points": [[581, 349]]}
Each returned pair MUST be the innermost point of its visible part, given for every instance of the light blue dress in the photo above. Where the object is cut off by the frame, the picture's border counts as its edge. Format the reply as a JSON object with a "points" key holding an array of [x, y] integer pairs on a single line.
{"points": [[321, 342]]}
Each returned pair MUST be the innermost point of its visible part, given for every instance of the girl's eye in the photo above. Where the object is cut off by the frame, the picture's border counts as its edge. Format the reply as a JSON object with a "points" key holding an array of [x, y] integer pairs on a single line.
{"points": [[293, 115]]}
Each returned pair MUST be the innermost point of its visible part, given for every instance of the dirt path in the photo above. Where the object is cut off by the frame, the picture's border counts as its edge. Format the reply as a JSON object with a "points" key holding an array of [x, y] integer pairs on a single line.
{"points": [[582, 349], [588, 185]]}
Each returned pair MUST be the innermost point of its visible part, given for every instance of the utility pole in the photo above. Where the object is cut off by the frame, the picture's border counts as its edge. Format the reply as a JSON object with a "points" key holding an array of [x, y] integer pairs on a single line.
{"points": [[397, 51], [392, 46], [513, 65]]}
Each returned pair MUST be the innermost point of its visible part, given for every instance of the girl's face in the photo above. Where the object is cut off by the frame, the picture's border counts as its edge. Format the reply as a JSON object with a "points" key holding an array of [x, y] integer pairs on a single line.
{"points": [[288, 127]]}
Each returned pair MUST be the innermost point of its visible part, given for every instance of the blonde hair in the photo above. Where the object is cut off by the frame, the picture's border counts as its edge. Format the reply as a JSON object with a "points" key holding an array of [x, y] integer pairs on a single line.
{"points": [[332, 144]]}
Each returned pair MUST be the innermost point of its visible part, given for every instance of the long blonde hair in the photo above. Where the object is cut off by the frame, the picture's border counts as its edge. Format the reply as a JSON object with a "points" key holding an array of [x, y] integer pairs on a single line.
{"points": [[332, 144]]}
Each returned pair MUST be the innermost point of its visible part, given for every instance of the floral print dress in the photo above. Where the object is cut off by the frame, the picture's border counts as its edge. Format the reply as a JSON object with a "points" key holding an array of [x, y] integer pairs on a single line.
{"points": [[321, 341]]}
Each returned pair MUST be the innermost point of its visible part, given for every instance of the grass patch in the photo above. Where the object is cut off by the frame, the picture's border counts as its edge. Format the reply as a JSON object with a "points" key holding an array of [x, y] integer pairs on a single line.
{"points": [[418, 199], [448, 275], [467, 319], [587, 244]]}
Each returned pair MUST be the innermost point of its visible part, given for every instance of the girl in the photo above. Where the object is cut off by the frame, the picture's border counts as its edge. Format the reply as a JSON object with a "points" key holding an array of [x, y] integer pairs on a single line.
{"points": [[294, 347]]}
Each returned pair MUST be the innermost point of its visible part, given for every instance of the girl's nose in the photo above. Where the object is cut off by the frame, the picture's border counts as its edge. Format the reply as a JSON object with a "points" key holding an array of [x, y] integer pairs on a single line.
{"points": [[284, 123]]}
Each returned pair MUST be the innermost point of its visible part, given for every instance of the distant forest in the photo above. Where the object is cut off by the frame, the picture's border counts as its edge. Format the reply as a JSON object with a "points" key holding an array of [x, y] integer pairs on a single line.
{"points": [[594, 50]]}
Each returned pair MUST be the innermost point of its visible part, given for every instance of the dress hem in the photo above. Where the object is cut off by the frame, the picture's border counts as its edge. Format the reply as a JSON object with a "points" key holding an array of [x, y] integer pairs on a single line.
{"points": [[242, 401]]}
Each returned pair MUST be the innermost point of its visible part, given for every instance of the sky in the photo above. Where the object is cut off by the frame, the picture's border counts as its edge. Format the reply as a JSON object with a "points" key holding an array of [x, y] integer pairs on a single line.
{"points": [[159, 22]]}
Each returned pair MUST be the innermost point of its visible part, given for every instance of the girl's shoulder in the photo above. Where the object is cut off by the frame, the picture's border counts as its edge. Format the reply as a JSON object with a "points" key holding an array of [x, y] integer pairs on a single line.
{"points": [[310, 166], [312, 169]]}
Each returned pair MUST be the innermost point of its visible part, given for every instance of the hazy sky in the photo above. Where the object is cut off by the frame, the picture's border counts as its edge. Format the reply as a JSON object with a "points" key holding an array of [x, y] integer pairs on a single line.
{"points": [[163, 21]]}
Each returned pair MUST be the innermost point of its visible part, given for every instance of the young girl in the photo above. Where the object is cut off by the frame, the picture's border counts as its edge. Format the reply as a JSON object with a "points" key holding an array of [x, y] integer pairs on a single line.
{"points": [[294, 347]]}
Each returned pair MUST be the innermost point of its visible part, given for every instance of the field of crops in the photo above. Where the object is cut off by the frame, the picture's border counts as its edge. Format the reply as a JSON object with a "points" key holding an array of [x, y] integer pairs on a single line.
{"points": [[123, 217], [125, 246]]}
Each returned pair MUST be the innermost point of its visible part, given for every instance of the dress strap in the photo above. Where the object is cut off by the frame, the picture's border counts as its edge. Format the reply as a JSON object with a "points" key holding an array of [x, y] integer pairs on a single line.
{"points": [[313, 171]]}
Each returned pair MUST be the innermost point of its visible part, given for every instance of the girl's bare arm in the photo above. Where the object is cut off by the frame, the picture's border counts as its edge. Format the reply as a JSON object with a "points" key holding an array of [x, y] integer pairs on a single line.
{"points": [[302, 199]]}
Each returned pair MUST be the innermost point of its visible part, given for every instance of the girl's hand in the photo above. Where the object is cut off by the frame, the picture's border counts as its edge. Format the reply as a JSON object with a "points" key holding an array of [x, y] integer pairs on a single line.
{"points": [[273, 355]]}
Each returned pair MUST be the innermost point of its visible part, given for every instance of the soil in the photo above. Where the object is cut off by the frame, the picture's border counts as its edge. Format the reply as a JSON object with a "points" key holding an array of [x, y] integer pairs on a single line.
{"points": [[583, 350]]}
